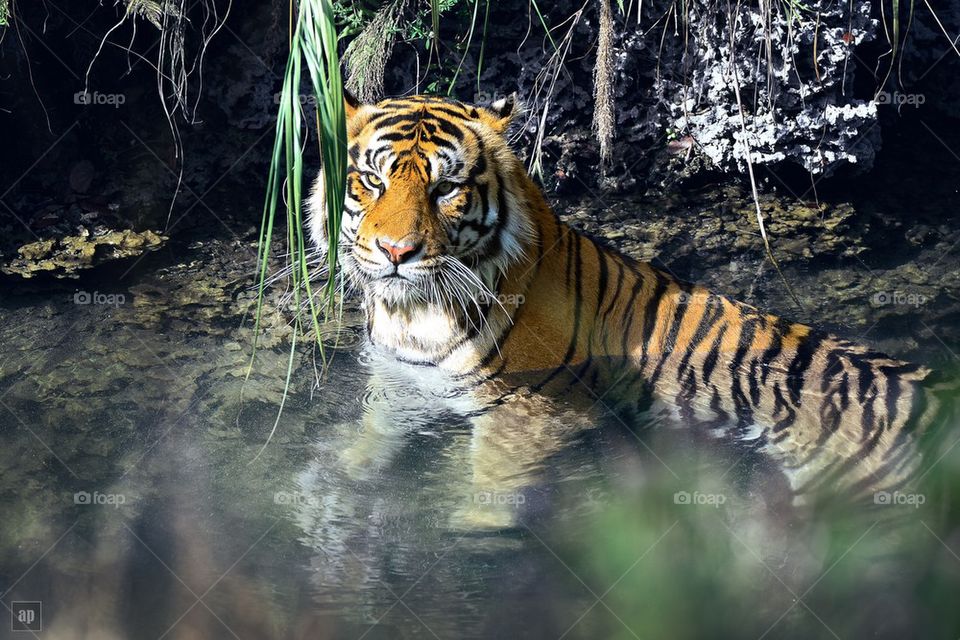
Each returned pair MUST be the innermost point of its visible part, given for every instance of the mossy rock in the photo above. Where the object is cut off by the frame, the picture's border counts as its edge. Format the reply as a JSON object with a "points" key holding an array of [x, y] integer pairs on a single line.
{"points": [[63, 257]]}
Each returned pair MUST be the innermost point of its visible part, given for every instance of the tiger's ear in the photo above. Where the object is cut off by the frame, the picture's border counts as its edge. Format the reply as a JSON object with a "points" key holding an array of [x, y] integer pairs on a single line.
{"points": [[501, 113], [350, 104]]}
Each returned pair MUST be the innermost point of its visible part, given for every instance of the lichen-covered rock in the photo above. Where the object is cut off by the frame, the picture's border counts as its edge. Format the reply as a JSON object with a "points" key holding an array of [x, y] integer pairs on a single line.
{"points": [[792, 102], [63, 256]]}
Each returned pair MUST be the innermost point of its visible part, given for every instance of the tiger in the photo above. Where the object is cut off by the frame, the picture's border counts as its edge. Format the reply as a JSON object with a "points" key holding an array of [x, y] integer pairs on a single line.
{"points": [[461, 264]]}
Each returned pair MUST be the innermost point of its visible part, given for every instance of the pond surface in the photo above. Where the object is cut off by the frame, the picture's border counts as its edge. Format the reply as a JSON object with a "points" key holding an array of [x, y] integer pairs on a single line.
{"points": [[139, 501]]}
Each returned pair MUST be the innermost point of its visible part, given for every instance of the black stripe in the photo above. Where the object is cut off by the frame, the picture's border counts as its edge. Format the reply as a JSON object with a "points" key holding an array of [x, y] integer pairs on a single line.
{"points": [[573, 264], [396, 135], [844, 391], [722, 417], [446, 127], [714, 310], [688, 391], [601, 291], [484, 191], [572, 267], [780, 403], [493, 351], [503, 215], [650, 315], [748, 331], [480, 166], [753, 383], [602, 287], [680, 311], [831, 362], [439, 108], [867, 421], [710, 362], [631, 314], [918, 406], [616, 294], [390, 119], [780, 329], [893, 394], [865, 374], [743, 408], [797, 370]]}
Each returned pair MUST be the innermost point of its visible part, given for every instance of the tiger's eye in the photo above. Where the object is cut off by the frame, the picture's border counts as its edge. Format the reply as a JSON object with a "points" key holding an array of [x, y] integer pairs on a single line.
{"points": [[444, 188], [372, 180]]}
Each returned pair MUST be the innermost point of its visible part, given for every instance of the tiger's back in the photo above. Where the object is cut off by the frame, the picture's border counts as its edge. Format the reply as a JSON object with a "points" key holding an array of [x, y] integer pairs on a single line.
{"points": [[831, 410]]}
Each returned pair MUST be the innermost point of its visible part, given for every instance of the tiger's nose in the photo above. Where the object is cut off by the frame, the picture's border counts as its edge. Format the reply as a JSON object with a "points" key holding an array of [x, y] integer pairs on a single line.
{"points": [[398, 253]]}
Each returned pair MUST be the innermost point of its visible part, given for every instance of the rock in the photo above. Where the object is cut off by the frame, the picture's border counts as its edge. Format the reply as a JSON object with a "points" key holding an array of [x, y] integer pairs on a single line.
{"points": [[63, 257]]}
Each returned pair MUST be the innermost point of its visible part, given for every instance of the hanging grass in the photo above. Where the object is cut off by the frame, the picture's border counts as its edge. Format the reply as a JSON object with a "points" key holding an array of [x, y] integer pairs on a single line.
{"points": [[367, 55], [604, 118], [313, 45]]}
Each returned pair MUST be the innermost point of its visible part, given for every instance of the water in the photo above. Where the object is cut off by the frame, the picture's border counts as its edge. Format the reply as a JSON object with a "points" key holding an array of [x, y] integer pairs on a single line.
{"points": [[393, 503]]}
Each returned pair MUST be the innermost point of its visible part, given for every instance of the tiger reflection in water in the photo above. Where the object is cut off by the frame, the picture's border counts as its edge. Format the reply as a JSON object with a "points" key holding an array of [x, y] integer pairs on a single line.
{"points": [[475, 449], [478, 454]]}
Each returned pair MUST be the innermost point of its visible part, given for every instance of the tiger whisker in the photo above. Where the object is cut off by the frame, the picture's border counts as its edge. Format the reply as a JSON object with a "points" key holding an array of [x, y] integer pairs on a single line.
{"points": [[463, 278]]}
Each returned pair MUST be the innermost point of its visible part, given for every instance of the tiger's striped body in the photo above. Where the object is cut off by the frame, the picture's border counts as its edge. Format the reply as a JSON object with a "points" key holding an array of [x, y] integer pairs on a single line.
{"points": [[463, 265]]}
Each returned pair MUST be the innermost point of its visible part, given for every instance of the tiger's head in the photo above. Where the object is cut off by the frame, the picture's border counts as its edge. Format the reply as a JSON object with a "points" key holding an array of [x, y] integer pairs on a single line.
{"points": [[433, 214]]}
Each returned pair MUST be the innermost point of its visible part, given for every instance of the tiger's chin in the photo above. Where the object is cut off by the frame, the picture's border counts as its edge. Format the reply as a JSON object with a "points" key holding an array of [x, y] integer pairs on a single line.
{"points": [[395, 291], [403, 318], [425, 316], [414, 329]]}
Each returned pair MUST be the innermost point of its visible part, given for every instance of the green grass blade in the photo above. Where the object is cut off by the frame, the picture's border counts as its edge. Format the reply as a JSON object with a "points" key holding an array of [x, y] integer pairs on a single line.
{"points": [[313, 44], [466, 49], [483, 41]]}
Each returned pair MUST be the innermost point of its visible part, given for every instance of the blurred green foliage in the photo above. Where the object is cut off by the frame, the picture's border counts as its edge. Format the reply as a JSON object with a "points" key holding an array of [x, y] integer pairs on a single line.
{"points": [[710, 556]]}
